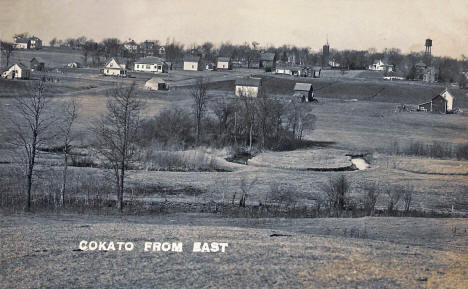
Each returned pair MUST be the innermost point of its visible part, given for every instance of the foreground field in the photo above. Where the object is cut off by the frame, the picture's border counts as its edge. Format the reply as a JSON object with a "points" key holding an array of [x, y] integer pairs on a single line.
{"points": [[41, 252]]}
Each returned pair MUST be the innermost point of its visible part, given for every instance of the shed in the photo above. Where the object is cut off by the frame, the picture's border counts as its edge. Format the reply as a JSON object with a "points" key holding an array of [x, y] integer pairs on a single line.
{"points": [[37, 64], [17, 70], [304, 91], [156, 83], [441, 103], [250, 86]]}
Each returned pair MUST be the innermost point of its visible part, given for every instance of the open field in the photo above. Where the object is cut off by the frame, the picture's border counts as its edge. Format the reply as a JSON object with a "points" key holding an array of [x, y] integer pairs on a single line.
{"points": [[42, 251], [355, 116]]}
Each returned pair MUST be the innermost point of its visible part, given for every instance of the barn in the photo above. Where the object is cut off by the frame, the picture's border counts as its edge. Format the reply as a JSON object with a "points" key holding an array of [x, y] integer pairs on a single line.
{"points": [[37, 64], [268, 61], [151, 64], [224, 63], [192, 63], [248, 86], [156, 83], [304, 91], [17, 71], [115, 66], [441, 103]]}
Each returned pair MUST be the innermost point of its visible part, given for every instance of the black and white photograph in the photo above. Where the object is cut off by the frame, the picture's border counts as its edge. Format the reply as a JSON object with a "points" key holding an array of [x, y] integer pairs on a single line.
{"points": [[234, 144]]}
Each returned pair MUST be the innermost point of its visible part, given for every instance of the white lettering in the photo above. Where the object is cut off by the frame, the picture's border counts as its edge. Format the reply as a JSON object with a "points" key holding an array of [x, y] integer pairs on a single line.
{"points": [[83, 245]]}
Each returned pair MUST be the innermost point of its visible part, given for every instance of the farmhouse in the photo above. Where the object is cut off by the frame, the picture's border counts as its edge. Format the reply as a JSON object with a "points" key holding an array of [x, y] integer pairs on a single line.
{"points": [[131, 46], [248, 86], [151, 64], [268, 61], [441, 103], [156, 83], [224, 63], [304, 91], [379, 65], [17, 70], [115, 66], [37, 64], [35, 43], [22, 43], [192, 63]]}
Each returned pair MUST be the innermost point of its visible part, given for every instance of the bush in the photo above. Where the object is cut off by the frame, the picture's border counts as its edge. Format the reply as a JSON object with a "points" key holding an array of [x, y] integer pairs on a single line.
{"points": [[337, 193], [282, 194], [372, 193]]}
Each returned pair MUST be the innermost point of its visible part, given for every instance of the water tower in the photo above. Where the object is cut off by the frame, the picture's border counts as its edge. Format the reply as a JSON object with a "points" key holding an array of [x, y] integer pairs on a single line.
{"points": [[325, 54], [428, 53]]}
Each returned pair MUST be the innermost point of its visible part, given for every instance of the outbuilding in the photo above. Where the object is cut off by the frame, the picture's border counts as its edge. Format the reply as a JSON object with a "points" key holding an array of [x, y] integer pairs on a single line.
{"points": [[268, 61], [304, 91], [250, 86], [441, 103], [17, 71], [156, 83], [37, 64]]}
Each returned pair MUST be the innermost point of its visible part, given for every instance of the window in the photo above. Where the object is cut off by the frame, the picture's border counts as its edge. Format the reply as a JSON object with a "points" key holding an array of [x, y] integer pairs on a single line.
{"points": [[159, 67], [138, 65], [148, 66], [193, 66], [110, 64]]}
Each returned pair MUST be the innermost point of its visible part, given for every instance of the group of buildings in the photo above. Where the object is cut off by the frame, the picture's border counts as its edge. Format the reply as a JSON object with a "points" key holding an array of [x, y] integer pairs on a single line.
{"points": [[27, 43]]}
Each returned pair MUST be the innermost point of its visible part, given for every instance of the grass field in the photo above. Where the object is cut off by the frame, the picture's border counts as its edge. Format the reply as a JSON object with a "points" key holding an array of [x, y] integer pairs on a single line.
{"points": [[42, 251]]}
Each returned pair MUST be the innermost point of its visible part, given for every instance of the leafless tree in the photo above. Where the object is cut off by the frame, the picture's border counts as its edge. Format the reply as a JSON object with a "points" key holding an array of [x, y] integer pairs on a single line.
{"points": [[6, 49], [117, 131], [30, 128], [249, 109], [200, 99], [70, 115]]}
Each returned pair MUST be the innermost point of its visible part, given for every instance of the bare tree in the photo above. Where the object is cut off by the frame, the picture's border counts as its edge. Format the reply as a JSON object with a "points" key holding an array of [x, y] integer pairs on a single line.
{"points": [[30, 128], [116, 133], [249, 110], [70, 116], [7, 50], [200, 99]]}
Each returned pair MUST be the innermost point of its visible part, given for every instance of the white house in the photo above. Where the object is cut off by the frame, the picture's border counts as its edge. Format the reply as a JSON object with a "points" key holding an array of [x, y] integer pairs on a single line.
{"points": [[17, 70], [115, 66], [192, 63], [379, 65], [22, 43], [248, 86], [289, 70], [151, 64], [224, 63]]}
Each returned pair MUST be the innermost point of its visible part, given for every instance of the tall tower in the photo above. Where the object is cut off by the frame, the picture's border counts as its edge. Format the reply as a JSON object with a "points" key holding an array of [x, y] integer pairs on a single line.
{"points": [[428, 52], [325, 54]]}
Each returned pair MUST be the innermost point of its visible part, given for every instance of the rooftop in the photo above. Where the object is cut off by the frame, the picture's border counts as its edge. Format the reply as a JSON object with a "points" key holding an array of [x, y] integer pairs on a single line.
{"points": [[251, 81], [303, 86]]}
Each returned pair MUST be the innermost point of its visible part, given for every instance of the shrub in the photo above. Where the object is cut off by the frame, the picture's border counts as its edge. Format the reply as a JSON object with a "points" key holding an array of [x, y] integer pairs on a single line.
{"points": [[372, 193], [282, 194], [337, 193], [394, 194]]}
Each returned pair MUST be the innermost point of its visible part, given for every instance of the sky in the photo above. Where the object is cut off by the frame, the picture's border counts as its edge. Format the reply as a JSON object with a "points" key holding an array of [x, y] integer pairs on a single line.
{"points": [[349, 24]]}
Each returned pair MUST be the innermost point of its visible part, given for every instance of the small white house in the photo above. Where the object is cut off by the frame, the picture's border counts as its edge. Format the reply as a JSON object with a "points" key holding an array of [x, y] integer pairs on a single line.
{"points": [[248, 86], [116, 67], [17, 71], [379, 65], [224, 63], [151, 64], [22, 43], [192, 63]]}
